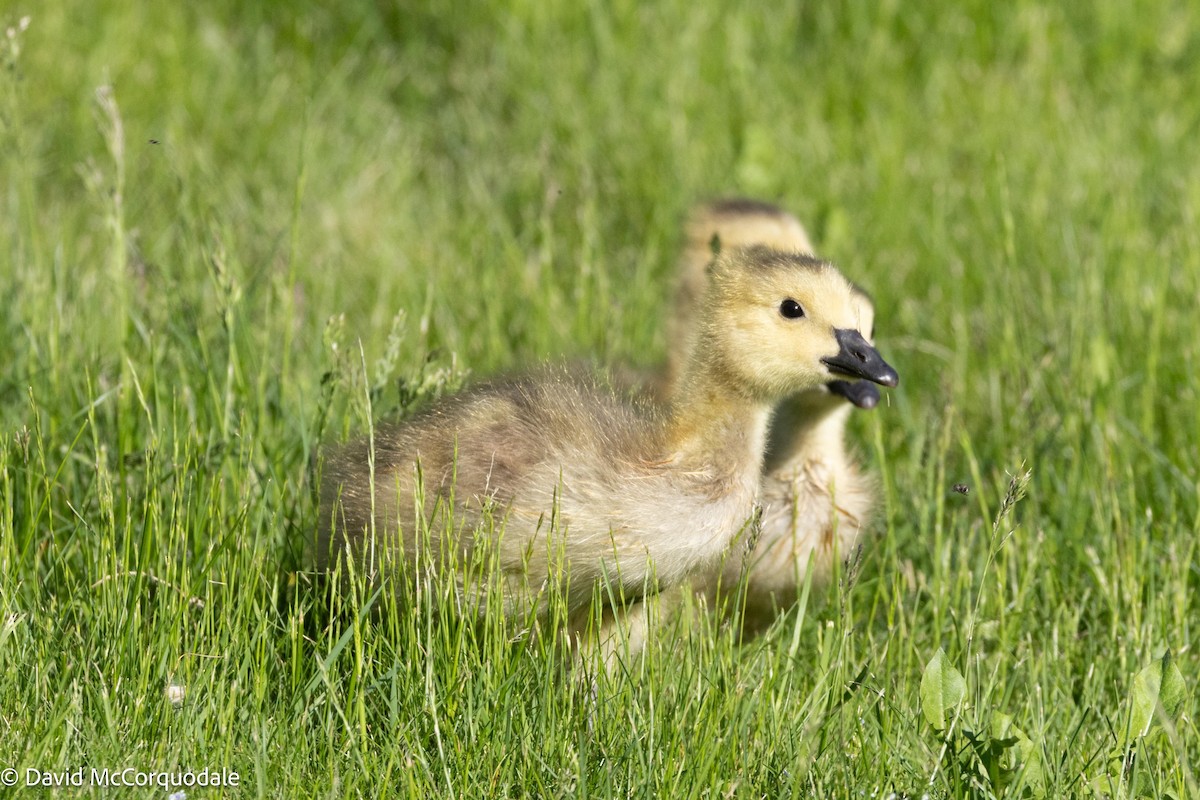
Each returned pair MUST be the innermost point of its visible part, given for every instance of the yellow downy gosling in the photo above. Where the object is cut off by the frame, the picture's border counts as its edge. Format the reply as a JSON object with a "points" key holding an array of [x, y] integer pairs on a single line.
{"points": [[641, 498], [815, 499]]}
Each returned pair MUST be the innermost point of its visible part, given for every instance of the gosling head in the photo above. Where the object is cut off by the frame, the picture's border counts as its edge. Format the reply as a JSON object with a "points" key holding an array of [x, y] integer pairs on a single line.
{"points": [[741, 222], [777, 323]]}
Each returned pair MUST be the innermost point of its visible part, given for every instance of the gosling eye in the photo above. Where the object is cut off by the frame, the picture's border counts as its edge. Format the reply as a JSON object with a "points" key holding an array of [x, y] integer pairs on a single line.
{"points": [[791, 309]]}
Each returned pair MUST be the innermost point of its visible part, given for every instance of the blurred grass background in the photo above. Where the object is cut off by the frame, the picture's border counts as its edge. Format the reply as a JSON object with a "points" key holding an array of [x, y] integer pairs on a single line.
{"points": [[227, 227]]}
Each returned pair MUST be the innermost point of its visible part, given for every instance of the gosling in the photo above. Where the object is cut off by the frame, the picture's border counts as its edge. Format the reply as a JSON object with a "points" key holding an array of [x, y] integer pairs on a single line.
{"points": [[556, 481], [815, 500]]}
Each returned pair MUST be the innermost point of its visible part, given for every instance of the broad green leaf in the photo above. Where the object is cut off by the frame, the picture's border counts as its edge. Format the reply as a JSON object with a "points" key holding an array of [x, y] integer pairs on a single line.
{"points": [[1173, 691], [1159, 684], [1029, 758], [942, 689]]}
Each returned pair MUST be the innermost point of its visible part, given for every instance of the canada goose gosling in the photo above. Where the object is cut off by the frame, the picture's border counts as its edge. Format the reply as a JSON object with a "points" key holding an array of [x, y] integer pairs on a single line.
{"points": [[641, 498], [815, 500]]}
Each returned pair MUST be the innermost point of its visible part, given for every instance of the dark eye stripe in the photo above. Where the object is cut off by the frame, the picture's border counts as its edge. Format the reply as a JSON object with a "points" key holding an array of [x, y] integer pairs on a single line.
{"points": [[791, 309]]}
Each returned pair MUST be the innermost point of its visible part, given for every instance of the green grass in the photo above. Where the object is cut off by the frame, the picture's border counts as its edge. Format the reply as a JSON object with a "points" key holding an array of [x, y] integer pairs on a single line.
{"points": [[203, 269]]}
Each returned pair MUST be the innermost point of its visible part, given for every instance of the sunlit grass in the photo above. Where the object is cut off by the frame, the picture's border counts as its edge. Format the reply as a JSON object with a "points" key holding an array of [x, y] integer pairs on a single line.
{"points": [[231, 233]]}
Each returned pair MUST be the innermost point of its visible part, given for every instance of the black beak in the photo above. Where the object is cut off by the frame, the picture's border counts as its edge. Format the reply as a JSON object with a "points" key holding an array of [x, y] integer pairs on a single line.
{"points": [[857, 359], [861, 393]]}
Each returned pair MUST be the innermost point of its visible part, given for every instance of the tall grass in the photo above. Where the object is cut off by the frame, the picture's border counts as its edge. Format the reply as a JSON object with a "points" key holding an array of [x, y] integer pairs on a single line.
{"points": [[231, 234]]}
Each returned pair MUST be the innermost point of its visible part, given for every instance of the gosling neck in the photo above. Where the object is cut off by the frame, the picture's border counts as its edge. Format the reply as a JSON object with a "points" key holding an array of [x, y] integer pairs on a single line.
{"points": [[808, 426], [715, 427]]}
